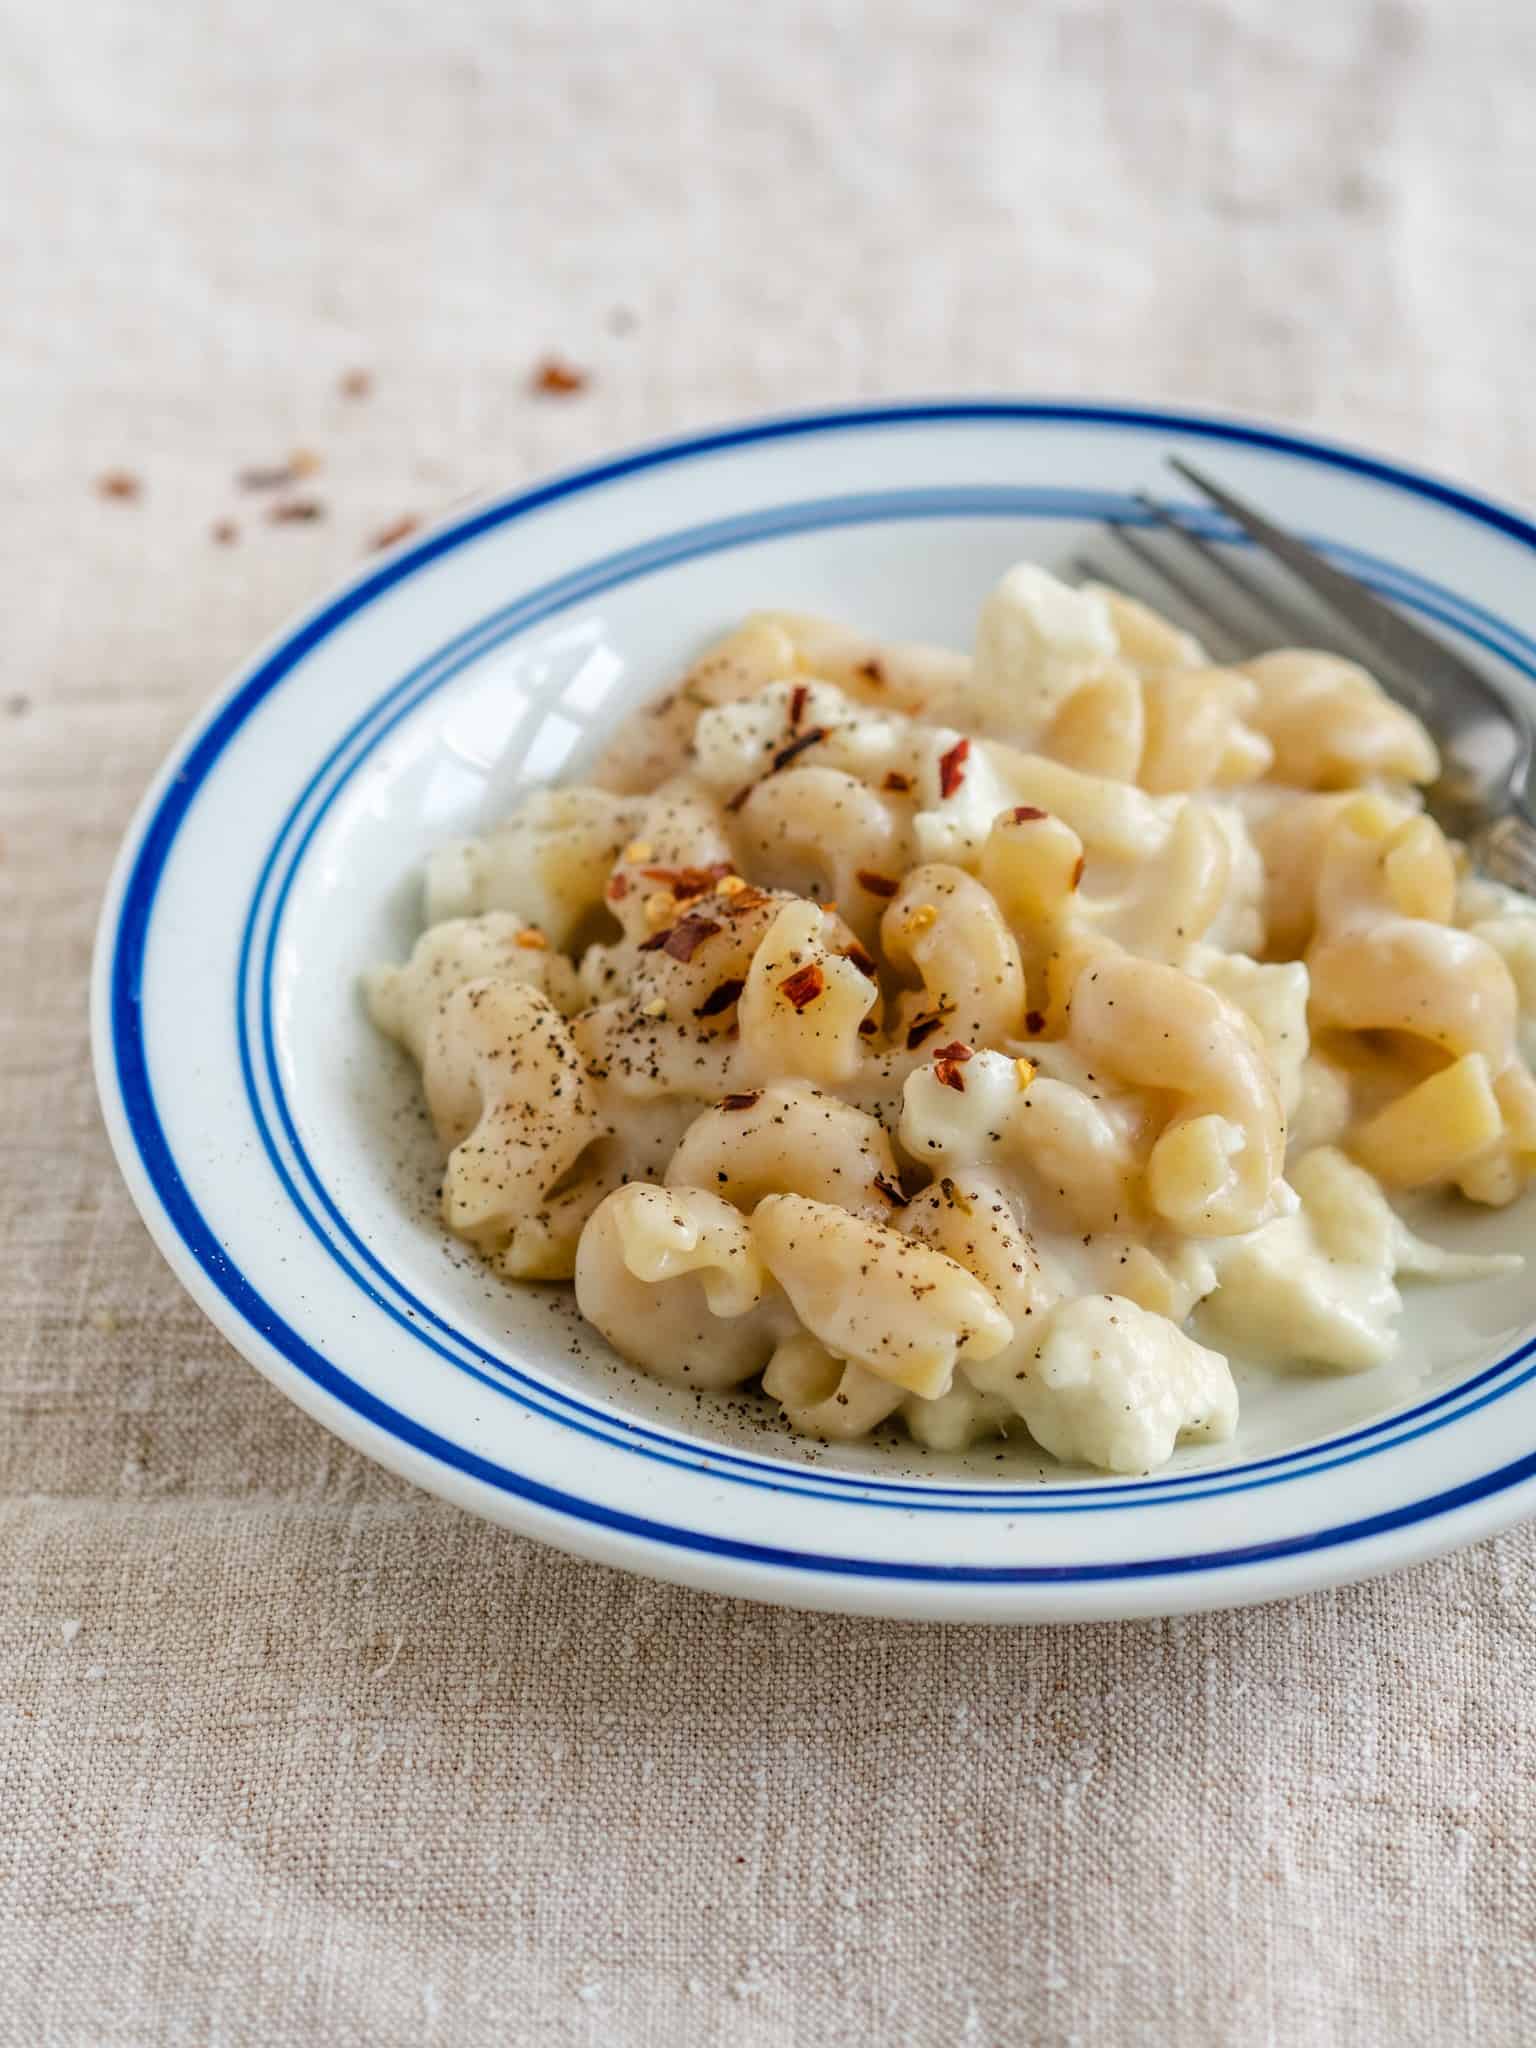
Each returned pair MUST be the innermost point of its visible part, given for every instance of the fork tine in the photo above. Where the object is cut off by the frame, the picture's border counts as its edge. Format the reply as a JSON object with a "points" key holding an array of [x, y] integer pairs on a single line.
{"points": [[1195, 599], [1411, 652], [1094, 572], [1289, 621], [1233, 624]]}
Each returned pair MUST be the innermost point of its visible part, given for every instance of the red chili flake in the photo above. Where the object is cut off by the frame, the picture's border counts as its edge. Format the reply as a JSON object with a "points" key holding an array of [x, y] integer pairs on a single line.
{"points": [[269, 476], [796, 747], [557, 378], [947, 1063], [618, 888], [356, 383], [740, 1101], [686, 882], [685, 938], [119, 483], [1024, 814], [897, 781], [746, 899], [892, 1193], [224, 532], [295, 511], [1077, 872], [872, 672], [803, 986], [924, 1028], [720, 998], [865, 962], [1034, 1022], [952, 767], [797, 704], [734, 803], [397, 529], [877, 885]]}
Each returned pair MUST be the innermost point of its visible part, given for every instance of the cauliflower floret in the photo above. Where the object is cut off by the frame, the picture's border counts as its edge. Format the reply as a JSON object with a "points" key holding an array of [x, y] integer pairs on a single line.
{"points": [[1317, 1288], [1115, 1386], [548, 862], [1036, 641]]}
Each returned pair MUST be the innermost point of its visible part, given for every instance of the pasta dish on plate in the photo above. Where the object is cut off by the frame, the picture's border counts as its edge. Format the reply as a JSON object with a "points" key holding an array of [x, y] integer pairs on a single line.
{"points": [[994, 1042]]}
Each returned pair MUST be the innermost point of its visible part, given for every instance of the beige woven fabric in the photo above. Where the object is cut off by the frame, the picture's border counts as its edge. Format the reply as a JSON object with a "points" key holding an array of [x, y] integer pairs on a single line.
{"points": [[291, 1754]]}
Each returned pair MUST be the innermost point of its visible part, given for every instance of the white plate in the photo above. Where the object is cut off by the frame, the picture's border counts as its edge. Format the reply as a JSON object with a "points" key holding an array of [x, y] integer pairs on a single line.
{"points": [[276, 1150]]}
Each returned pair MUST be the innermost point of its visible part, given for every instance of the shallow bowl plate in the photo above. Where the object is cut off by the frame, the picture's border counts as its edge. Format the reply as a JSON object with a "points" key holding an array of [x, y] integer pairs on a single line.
{"points": [[276, 1149]]}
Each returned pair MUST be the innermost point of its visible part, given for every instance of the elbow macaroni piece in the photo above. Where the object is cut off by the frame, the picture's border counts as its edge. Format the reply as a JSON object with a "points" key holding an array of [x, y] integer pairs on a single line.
{"points": [[507, 1091], [903, 1312], [403, 1001], [927, 1034], [672, 1279]]}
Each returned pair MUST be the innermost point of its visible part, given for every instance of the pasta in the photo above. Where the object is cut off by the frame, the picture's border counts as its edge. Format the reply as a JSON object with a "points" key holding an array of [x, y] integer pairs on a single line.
{"points": [[929, 1038]]}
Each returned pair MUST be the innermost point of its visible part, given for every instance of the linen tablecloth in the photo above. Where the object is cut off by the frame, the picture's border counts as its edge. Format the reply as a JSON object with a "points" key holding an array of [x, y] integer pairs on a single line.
{"points": [[291, 1753]]}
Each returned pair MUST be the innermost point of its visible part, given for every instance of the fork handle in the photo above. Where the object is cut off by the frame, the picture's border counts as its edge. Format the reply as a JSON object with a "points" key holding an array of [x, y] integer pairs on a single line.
{"points": [[1506, 851]]}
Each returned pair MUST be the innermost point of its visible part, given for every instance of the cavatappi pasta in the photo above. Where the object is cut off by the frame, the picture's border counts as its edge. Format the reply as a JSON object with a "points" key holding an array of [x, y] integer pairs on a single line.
{"points": [[934, 1036]]}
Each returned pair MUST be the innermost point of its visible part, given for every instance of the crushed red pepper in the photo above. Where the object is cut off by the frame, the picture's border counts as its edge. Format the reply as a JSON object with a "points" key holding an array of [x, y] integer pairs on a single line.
{"points": [[1023, 814], [686, 882], [397, 529], [877, 885], [803, 986], [952, 767], [740, 1101], [555, 378], [897, 781], [618, 888], [797, 702], [922, 1028], [865, 962], [720, 998], [295, 511], [683, 939], [686, 937], [797, 747], [947, 1062]]}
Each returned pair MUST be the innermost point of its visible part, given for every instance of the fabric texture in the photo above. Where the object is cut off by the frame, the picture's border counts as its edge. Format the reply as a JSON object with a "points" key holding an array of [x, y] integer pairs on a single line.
{"points": [[291, 1753]]}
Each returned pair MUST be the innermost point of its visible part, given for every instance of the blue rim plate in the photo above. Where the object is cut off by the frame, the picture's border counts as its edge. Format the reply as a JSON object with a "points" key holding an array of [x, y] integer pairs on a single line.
{"points": [[275, 1152]]}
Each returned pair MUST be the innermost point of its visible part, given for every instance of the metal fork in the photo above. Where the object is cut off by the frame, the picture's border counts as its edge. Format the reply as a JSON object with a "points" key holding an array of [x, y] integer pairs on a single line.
{"points": [[1484, 793]]}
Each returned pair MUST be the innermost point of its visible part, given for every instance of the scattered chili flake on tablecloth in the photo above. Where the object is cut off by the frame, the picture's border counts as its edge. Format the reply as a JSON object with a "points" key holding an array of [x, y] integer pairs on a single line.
{"points": [[397, 530], [556, 378]]}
